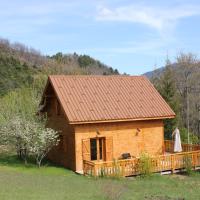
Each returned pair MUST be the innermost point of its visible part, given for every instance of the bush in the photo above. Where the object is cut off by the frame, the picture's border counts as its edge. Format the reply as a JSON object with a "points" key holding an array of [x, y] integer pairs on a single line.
{"points": [[145, 165], [187, 163]]}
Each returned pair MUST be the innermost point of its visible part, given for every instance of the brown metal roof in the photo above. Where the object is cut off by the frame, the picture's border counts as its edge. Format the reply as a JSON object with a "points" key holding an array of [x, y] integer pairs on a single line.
{"points": [[109, 98]]}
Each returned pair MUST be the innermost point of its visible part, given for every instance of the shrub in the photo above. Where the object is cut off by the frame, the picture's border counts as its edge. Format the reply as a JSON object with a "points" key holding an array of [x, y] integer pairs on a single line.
{"points": [[187, 164], [145, 165]]}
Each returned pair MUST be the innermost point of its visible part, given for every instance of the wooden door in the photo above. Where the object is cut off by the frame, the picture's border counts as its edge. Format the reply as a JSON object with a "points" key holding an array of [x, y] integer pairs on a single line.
{"points": [[86, 149]]}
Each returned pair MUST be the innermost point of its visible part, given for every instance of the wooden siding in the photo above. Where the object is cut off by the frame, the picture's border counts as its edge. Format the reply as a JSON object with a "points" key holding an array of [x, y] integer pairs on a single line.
{"points": [[127, 137], [64, 153]]}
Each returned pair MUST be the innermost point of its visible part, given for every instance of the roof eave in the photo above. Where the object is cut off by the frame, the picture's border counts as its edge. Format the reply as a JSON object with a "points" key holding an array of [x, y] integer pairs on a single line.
{"points": [[120, 120]]}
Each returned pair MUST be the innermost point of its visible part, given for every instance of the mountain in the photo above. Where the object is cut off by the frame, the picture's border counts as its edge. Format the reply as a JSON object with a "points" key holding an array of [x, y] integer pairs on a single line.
{"points": [[160, 70], [150, 74], [20, 65]]}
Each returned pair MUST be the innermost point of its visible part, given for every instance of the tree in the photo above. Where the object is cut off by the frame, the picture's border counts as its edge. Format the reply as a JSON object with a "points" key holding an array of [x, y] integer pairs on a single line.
{"points": [[58, 57], [22, 128], [44, 140], [29, 138], [188, 87], [22, 103], [85, 61], [18, 133], [166, 85]]}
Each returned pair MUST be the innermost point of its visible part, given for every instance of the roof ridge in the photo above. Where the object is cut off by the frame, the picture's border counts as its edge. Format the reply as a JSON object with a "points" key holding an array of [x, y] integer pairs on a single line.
{"points": [[105, 76]]}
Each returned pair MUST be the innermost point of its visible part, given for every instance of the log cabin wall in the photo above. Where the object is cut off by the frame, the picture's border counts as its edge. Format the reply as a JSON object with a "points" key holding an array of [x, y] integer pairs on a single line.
{"points": [[64, 153], [127, 137]]}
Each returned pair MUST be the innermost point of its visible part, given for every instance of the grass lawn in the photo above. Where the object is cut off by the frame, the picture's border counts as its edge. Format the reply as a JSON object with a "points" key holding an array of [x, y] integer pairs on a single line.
{"points": [[54, 183]]}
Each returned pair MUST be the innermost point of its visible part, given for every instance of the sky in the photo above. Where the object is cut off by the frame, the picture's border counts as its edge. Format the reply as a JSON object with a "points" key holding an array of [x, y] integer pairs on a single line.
{"points": [[134, 36]]}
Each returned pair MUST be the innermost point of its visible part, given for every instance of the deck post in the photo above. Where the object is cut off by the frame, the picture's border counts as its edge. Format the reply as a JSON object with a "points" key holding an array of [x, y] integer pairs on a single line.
{"points": [[172, 163], [195, 160], [95, 170], [123, 169], [84, 167]]}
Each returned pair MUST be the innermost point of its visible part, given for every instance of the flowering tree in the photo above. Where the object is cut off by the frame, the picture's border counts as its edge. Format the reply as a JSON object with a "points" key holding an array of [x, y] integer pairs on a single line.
{"points": [[43, 141], [29, 137], [18, 132], [22, 128]]}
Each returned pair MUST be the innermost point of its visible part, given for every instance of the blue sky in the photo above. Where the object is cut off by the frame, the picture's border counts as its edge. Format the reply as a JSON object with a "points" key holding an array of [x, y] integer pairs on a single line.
{"points": [[132, 36]]}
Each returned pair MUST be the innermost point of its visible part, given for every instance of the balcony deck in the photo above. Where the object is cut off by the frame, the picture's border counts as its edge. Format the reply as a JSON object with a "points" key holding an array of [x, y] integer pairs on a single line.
{"points": [[167, 162]]}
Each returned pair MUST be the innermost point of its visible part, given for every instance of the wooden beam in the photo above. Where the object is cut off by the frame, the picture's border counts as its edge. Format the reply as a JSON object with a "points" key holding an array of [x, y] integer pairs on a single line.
{"points": [[120, 120], [98, 153]]}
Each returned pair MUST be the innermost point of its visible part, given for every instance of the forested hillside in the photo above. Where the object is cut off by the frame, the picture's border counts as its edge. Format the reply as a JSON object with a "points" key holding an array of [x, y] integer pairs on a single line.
{"points": [[179, 84], [21, 66]]}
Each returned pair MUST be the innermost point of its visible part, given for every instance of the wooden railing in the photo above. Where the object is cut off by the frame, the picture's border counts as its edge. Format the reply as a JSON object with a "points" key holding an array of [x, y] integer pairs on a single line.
{"points": [[111, 168], [160, 163], [169, 146], [89, 167]]}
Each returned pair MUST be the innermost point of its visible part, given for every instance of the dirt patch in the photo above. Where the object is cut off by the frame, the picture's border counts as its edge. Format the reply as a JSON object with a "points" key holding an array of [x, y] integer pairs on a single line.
{"points": [[179, 176], [162, 198]]}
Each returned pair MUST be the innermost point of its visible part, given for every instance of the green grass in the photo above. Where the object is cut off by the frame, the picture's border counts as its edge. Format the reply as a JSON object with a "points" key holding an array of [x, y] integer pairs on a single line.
{"points": [[18, 182]]}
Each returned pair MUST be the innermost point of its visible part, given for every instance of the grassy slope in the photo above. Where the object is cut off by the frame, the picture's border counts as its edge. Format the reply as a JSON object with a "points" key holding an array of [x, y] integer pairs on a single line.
{"points": [[18, 182]]}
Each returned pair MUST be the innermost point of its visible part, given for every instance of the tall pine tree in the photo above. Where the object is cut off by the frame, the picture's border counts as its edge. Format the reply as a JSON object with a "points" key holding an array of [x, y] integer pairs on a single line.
{"points": [[166, 86]]}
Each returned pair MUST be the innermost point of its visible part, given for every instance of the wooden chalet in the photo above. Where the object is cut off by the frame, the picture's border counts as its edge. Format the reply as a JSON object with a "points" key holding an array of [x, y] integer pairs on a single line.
{"points": [[107, 118]]}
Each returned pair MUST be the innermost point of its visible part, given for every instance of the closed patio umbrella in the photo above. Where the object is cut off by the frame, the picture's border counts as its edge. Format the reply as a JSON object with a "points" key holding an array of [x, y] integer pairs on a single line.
{"points": [[177, 140]]}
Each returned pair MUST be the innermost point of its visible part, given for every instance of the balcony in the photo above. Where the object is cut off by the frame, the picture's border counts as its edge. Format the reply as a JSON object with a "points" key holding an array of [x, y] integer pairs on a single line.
{"points": [[167, 162]]}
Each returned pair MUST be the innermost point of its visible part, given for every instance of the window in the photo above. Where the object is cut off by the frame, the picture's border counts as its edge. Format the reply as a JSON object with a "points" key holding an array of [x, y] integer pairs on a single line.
{"points": [[100, 148], [97, 148], [93, 148]]}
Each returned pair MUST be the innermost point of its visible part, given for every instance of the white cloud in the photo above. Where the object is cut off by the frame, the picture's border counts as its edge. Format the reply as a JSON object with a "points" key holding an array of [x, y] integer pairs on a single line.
{"points": [[155, 17], [148, 47]]}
